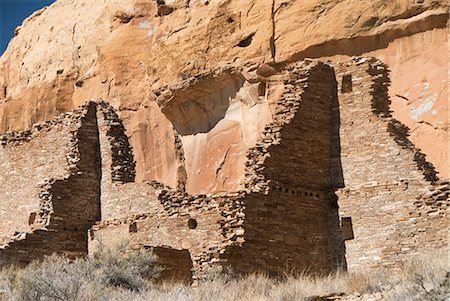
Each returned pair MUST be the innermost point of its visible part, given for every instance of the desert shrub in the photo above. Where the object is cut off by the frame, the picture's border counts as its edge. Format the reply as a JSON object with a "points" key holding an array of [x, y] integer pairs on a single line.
{"points": [[116, 275], [59, 278], [116, 267], [426, 277], [55, 278]]}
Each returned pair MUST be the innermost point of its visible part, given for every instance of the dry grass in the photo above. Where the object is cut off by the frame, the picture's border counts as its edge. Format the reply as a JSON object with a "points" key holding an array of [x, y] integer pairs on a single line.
{"points": [[93, 278], [111, 276], [425, 278]]}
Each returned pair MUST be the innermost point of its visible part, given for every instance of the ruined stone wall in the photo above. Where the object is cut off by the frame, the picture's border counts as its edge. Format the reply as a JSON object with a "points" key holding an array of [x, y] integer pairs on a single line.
{"points": [[290, 215], [316, 153], [279, 223], [69, 204], [121, 196], [204, 224], [120, 155], [374, 146], [81, 190], [27, 159], [303, 155], [385, 176], [392, 223], [286, 230], [290, 151], [150, 214]]}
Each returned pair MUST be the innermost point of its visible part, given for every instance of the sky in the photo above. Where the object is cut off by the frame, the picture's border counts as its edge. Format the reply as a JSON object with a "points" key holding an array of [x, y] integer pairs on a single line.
{"points": [[12, 14]]}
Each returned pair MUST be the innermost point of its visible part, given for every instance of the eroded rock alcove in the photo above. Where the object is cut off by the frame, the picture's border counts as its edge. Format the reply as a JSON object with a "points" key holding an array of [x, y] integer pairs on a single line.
{"points": [[216, 118]]}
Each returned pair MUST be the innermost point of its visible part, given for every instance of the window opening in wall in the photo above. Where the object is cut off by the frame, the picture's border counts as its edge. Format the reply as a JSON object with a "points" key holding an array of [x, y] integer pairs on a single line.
{"points": [[192, 223], [133, 227], [347, 228], [262, 89], [347, 84], [32, 218]]}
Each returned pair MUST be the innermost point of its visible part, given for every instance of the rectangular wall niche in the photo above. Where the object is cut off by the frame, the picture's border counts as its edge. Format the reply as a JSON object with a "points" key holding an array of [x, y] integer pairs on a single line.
{"points": [[347, 228], [133, 228], [347, 85]]}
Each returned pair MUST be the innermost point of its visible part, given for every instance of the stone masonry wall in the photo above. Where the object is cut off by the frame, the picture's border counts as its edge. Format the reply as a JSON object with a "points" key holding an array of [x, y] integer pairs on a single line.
{"points": [[279, 223], [122, 163], [369, 137], [150, 214], [121, 196], [306, 112], [290, 215], [318, 156], [392, 222], [388, 183], [286, 230], [203, 224], [69, 204], [25, 160]]}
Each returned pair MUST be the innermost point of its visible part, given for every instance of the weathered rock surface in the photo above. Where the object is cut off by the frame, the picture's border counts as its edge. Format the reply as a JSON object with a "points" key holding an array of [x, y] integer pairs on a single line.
{"points": [[134, 53], [323, 159]]}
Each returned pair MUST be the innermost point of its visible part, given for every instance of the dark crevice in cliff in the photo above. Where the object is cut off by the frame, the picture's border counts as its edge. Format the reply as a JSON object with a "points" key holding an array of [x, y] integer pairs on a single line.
{"points": [[245, 42], [222, 163], [272, 38]]}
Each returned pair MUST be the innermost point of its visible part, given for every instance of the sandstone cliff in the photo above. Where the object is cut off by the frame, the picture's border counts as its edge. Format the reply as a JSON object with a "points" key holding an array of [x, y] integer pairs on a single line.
{"points": [[135, 53], [240, 133]]}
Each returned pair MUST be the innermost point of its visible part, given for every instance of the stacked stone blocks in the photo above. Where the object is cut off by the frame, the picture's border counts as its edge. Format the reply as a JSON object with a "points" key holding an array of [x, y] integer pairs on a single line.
{"points": [[332, 151]]}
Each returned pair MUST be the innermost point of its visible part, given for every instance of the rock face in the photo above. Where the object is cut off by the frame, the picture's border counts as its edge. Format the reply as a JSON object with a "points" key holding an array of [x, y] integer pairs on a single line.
{"points": [[128, 50], [198, 125]]}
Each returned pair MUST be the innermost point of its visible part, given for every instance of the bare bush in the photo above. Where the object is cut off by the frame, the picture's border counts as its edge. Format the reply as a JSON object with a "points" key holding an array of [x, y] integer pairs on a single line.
{"points": [[118, 275], [426, 277], [59, 278], [117, 267]]}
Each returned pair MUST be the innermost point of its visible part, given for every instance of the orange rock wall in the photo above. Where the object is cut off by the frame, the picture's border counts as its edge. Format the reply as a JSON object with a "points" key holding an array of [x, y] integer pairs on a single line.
{"points": [[56, 63]]}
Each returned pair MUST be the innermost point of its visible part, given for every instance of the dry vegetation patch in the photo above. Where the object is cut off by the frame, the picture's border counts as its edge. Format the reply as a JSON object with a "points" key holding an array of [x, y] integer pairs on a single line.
{"points": [[117, 275]]}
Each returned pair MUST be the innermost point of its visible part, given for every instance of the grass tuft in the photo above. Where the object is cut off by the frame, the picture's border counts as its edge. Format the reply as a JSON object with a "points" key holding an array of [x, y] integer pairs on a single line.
{"points": [[120, 275]]}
